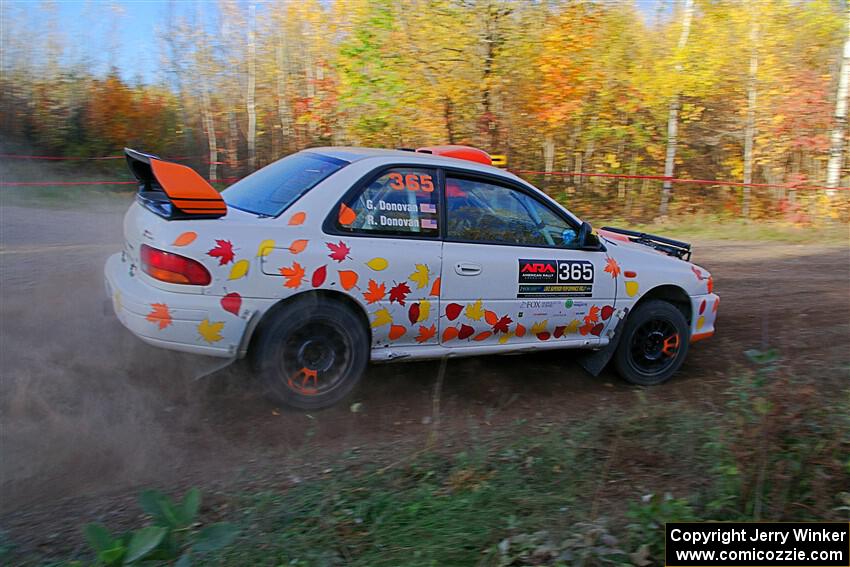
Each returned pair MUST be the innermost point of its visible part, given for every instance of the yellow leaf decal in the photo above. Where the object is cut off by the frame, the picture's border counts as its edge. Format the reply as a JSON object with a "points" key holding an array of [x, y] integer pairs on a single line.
{"points": [[424, 310], [210, 332], [382, 317], [572, 328], [239, 270], [185, 239], [505, 338], [378, 264], [539, 327], [700, 322], [298, 246], [474, 310], [265, 248], [420, 276], [632, 288]]}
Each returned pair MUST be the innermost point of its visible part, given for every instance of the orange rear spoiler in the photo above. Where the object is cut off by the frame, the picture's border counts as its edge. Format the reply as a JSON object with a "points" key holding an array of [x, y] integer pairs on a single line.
{"points": [[459, 152], [173, 191]]}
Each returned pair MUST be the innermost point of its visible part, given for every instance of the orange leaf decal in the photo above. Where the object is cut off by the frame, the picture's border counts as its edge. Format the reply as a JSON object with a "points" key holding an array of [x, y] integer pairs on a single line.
{"points": [[293, 275], [185, 239], [298, 246], [435, 288], [346, 214], [159, 315], [426, 333], [450, 333], [482, 336], [348, 279], [375, 293], [490, 317], [297, 218], [520, 330], [612, 267], [396, 332], [592, 315]]}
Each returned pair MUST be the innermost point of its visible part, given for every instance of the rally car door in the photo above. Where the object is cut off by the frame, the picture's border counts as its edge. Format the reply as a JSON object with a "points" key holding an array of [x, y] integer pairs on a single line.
{"points": [[390, 223], [512, 272]]}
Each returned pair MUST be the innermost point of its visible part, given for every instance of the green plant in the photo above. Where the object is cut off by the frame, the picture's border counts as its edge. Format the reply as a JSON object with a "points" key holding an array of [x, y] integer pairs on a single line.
{"points": [[173, 535], [646, 530]]}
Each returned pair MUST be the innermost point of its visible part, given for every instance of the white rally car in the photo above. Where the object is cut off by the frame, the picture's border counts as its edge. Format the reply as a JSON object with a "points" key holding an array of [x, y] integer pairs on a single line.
{"points": [[332, 257]]}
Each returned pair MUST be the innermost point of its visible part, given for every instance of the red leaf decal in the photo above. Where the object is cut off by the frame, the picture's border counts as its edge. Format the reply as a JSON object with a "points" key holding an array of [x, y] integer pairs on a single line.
{"points": [[319, 276], [232, 302], [399, 293], [339, 252], [413, 313], [223, 251], [465, 332], [501, 326], [453, 310]]}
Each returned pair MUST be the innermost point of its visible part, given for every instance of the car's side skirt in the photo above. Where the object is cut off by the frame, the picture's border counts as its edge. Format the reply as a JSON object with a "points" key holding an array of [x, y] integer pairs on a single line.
{"points": [[420, 352]]}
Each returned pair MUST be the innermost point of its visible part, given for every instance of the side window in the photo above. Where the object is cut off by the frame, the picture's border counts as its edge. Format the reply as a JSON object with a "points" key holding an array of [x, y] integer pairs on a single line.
{"points": [[479, 211], [402, 201]]}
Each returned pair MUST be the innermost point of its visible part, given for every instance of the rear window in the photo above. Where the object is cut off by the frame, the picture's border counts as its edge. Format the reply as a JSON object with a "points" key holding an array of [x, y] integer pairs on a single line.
{"points": [[270, 190]]}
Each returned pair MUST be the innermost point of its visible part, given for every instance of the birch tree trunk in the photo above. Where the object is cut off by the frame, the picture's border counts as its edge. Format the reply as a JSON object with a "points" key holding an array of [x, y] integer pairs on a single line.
{"points": [[209, 126], [750, 128], [673, 116], [836, 145], [549, 153], [250, 94]]}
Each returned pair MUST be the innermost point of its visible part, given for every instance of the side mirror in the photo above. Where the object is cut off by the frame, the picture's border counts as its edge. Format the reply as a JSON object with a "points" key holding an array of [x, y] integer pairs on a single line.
{"points": [[586, 239]]}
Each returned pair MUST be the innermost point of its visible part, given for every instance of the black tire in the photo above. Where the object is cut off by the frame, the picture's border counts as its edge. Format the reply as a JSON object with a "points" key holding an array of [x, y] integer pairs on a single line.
{"points": [[654, 344], [312, 353]]}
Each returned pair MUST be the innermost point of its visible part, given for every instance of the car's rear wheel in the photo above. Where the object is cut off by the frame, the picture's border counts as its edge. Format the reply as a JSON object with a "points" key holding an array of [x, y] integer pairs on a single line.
{"points": [[654, 343], [312, 354]]}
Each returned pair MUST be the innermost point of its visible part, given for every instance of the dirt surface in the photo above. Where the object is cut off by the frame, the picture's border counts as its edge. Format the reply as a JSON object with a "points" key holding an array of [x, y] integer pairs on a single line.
{"points": [[90, 414]]}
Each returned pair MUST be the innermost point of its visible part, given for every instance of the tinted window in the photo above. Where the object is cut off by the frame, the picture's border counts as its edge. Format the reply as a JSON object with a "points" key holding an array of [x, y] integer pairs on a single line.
{"points": [[400, 201], [483, 212], [270, 190]]}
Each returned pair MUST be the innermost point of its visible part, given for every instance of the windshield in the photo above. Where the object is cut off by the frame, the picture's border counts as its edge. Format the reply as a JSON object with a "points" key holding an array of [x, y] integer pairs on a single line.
{"points": [[270, 190]]}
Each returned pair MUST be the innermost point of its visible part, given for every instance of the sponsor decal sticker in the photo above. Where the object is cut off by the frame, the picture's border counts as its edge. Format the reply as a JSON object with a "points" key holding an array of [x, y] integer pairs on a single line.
{"points": [[555, 278]]}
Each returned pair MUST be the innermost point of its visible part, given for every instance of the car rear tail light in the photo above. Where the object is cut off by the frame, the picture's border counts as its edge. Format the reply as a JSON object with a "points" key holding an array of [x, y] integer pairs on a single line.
{"points": [[173, 268]]}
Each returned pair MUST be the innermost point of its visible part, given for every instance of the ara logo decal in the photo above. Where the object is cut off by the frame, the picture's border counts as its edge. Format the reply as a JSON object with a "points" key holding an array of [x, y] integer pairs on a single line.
{"points": [[538, 271]]}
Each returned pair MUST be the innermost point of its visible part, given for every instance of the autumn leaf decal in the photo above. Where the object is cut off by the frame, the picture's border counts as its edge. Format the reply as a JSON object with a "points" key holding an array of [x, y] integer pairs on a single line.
{"points": [[398, 293], [293, 275], [223, 251], [297, 219], [612, 267], [319, 276], [382, 317], [339, 252], [210, 332], [346, 215], [185, 239], [502, 324], [426, 333], [420, 276], [592, 315], [474, 310], [159, 315], [374, 292], [298, 246]]}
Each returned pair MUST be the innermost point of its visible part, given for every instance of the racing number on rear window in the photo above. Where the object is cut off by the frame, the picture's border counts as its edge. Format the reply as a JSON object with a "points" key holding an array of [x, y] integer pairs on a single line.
{"points": [[400, 201]]}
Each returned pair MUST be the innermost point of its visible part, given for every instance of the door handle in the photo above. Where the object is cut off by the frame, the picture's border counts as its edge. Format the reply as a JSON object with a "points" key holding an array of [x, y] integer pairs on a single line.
{"points": [[467, 269]]}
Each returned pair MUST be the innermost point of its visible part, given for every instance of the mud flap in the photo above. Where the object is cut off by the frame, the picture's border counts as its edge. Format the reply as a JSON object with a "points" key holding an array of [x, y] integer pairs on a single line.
{"points": [[595, 361]]}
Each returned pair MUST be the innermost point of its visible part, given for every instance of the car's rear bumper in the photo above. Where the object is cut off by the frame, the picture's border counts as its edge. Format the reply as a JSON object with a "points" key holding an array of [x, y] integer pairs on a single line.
{"points": [[704, 309], [133, 301]]}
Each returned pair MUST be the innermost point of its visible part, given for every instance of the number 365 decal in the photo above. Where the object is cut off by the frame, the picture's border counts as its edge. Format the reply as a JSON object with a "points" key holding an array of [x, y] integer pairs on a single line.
{"points": [[555, 271], [411, 182]]}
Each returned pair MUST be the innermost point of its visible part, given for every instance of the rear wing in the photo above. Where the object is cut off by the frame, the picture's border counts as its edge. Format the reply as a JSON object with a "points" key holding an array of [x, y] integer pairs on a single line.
{"points": [[173, 191], [681, 250]]}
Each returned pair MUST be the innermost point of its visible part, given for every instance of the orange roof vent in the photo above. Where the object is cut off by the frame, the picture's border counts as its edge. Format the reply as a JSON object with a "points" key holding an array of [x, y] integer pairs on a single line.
{"points": [[459, 152]]}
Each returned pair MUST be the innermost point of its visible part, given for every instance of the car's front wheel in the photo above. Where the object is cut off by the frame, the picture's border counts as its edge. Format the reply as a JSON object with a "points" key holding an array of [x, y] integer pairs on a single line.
{"points": [[654, 343], [312, 354]]}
